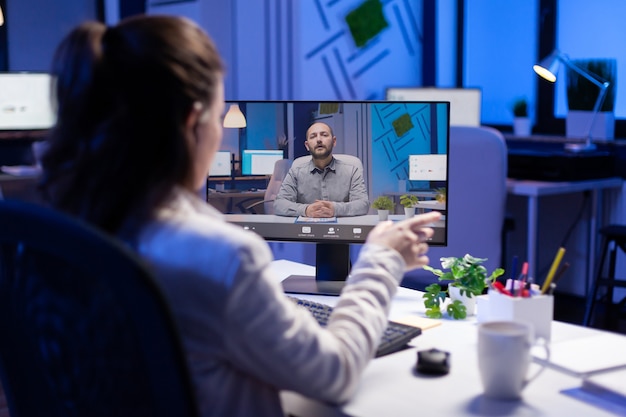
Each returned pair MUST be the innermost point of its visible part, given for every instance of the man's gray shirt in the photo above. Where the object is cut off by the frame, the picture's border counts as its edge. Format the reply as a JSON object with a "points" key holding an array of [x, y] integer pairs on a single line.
{"points": [[340, 182]]}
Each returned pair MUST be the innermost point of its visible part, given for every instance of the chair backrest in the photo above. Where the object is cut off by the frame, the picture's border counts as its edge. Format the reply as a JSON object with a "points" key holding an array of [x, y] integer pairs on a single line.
{"points": [[476, 200], [281, 168], [85, 329], [342, 157]]}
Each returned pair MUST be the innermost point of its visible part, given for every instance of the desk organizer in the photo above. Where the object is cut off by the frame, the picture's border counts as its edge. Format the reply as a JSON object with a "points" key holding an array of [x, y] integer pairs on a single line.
{"points": [[537, 310]]}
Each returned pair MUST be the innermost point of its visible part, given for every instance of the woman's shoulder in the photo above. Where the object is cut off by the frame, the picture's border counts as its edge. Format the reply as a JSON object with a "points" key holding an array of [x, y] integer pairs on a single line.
{"points": [[189, 222]]}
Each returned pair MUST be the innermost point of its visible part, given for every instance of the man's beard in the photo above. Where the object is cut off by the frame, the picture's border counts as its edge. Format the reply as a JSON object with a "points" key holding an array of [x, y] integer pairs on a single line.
{"points": [[316, 155]]}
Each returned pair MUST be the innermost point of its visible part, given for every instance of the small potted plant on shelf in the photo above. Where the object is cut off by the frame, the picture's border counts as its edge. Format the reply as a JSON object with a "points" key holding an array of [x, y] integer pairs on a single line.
{"points": [[409, 201], [440, 195], [384, 205], [467, 278], [521, 121]]}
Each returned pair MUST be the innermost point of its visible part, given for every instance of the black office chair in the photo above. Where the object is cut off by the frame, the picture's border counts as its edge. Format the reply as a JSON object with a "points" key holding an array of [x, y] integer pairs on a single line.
{"points": [[265, 205], [613, 238], [84, 330]]}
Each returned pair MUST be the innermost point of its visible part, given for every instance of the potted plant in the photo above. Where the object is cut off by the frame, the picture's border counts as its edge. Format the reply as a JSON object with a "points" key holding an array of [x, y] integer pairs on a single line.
{"points": [[384, 205], [467, 278], [582, 95], [440, 195], [282, 142], [409, 201], [521, 121]]}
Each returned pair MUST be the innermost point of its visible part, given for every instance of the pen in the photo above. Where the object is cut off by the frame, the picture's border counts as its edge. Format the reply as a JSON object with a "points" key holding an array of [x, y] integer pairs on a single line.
{"points": [[529, 287], [552, 288], [500, 288], [555, 264], [561, 272], [513, 274], [522, 280], [514, 267]]}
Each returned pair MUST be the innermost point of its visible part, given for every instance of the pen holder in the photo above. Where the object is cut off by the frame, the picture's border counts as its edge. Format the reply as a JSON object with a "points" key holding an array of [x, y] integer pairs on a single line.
{"points": [[537, 310]]}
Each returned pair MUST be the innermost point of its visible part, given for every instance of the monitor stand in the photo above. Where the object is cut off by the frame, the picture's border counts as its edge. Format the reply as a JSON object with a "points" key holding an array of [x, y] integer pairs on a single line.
{"points": [[332, 265]]}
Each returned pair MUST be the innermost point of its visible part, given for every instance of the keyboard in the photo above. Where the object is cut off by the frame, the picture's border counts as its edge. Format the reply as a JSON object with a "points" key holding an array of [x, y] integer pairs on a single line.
{"points": [[395, 337]]}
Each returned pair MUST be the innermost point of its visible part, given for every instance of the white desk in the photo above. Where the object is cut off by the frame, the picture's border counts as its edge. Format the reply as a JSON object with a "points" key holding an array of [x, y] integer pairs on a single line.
{"points": [[22, 186], [391, 388], [533, 190], [224, 201]]}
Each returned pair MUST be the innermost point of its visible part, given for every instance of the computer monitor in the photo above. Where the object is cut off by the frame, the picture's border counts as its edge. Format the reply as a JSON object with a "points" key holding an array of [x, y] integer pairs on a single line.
{"points": [[383, 135], [259, 161], [221, 165], [25, 101], [465, 103]]}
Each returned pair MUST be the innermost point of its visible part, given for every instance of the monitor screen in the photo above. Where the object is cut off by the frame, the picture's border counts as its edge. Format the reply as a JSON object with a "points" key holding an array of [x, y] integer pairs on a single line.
{"points": [[383, 136], [465, 103], [221, 165], [25, 101], [259, 162], [428, 167]]}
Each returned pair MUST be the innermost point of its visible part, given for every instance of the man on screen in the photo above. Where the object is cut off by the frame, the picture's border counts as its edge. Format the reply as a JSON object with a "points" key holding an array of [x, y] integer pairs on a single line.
{"points": [[325, 186]]}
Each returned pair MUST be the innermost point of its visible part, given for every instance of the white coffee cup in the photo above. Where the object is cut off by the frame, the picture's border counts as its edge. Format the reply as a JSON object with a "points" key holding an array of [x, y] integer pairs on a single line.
{"points": [[504, 358]]}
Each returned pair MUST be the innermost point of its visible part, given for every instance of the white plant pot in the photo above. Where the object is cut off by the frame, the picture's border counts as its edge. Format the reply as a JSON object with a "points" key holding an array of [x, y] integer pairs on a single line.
{"points": [[577, 124], [469, 303], [383, 215], [522, 126], [409, 212]]}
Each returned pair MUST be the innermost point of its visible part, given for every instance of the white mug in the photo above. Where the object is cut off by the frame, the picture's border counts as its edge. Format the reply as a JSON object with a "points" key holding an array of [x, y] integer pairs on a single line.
{"points": [[504, 358]]}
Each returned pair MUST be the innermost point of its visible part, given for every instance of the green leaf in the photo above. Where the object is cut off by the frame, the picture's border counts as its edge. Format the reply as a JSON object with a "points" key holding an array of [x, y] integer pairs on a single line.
{"points": [[429, 268], [433, 297], [495, 274], [434, 313], [433, 288], [457, 310]]}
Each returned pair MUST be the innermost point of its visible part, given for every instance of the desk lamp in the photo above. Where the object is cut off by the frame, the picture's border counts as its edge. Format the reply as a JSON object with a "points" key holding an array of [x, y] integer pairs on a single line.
{"points": [[234, 118], [547, 70]]}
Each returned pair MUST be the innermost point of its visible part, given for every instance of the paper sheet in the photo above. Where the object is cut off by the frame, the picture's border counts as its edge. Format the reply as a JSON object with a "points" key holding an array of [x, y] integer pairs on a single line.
{"points": [[417, 321], [588, 355]]}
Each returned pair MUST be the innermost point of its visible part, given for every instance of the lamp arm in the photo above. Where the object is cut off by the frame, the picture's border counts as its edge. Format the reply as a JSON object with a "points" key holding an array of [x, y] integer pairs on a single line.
{"points": [[602, 85], [596, 107], [603, 90], [588, 76]]}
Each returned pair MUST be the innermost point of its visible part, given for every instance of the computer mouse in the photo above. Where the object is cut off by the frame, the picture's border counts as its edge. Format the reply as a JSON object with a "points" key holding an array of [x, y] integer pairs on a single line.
{"points": [[433, 362]]}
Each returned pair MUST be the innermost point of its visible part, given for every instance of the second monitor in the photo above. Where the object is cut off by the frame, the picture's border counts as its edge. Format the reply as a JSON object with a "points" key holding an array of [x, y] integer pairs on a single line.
{"points": [[465, 103], [259, 162]]}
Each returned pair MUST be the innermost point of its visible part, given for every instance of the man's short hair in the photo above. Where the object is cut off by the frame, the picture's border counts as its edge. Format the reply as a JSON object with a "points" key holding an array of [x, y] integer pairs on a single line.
{"points": [[332, 134]]}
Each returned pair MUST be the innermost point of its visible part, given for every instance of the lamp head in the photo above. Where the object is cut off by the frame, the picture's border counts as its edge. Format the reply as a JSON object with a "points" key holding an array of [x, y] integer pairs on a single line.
{"points": [[548, 67], [234, 117]]}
